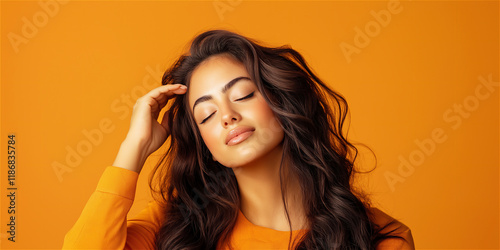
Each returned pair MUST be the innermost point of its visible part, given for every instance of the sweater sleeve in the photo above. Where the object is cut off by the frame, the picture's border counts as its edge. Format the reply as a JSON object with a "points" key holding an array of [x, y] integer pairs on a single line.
{"points": [[398, 229], [103, 222]]}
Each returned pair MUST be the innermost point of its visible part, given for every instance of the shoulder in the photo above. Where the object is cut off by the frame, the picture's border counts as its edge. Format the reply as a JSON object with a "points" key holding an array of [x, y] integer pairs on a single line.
{"points": [[393, 227]]}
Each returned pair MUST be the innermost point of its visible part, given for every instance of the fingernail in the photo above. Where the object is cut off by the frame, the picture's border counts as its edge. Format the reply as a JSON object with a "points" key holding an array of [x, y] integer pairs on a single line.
{"points": [[183, 87]]}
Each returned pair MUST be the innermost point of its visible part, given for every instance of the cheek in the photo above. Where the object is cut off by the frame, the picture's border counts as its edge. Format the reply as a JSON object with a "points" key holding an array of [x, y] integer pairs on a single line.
{"points": [[264, 114], [271, 131], [211, 136]]}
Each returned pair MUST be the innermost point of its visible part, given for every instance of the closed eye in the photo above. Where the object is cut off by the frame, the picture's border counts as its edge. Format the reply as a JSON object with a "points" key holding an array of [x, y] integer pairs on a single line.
{"points": [[239, 99], [246, 97], [204, 120]]}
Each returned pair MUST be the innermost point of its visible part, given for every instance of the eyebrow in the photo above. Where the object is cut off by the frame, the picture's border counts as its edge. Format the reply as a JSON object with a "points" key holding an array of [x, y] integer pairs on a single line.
{"points": [[223, 90]]}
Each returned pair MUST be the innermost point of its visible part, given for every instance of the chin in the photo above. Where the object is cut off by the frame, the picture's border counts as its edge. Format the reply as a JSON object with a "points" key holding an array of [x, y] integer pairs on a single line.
{"points": [[248, 156]]}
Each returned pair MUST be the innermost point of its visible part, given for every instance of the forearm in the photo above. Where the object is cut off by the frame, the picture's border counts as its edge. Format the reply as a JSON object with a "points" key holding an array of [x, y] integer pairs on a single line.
{"points": [[131, 156]]}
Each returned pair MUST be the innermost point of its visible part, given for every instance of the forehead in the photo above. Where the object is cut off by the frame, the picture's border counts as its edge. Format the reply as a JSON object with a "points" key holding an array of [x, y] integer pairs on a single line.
{"points": [[212, 74]]}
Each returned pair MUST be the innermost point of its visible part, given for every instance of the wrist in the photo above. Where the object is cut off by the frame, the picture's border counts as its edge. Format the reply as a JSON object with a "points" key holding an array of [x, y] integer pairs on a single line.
{"points": [[131, 155]]}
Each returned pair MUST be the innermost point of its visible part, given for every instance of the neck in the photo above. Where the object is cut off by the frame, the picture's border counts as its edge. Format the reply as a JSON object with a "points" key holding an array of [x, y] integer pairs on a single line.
{"points": [[261, 196]]}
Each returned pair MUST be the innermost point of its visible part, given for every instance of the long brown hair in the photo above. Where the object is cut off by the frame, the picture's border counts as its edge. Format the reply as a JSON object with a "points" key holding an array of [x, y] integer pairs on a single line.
{"points": [[201, 196]]}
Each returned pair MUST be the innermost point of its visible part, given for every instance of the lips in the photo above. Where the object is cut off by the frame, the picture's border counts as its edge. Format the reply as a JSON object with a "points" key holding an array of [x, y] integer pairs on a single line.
{"points": [[238, 135]]}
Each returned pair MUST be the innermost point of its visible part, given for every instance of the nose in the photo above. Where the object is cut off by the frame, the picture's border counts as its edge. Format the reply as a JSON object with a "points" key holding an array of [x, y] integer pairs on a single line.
{"points": [[229, 116]]}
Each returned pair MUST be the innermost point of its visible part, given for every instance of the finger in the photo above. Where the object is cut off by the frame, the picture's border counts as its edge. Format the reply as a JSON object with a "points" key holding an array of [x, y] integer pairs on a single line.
{"points": [[162, 94], [165, 96], [167, 91]]}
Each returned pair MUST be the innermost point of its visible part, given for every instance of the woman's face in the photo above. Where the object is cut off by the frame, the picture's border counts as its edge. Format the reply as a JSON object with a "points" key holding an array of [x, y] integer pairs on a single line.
{"points": [[233, 118]]}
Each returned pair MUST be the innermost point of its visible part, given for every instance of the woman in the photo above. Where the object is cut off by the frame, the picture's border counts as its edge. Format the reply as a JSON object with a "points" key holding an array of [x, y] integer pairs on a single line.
{"points": [[257, 160]]}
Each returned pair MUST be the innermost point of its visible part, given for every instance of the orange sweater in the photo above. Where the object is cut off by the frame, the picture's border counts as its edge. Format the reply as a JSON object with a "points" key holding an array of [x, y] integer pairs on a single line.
{"points": [[103, 223]]}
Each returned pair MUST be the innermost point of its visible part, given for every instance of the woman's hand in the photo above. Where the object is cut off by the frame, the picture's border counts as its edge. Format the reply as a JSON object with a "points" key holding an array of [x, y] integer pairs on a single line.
{"points": [[146, 134]]}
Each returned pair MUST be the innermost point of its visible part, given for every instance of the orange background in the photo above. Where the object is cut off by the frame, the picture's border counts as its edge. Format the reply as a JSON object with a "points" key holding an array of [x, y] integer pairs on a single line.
{"points": [[81, 67]]}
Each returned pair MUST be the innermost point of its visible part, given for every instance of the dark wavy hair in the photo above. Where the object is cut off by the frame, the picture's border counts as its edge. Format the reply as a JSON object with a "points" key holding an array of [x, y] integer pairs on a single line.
{"points": [[201, 196]]}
